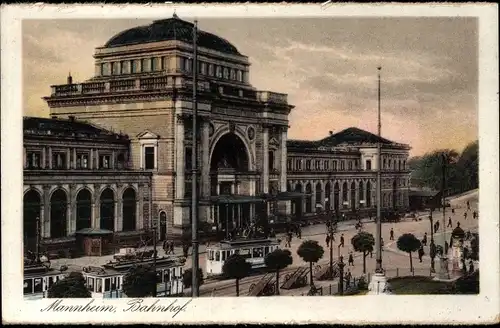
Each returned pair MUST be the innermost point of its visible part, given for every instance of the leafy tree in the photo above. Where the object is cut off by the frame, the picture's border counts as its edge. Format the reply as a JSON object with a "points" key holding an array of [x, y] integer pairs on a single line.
{"points": [[278, 260], [139, 281], [363, 242], [310, 251], [187, 277], [408, 243], [236, 267], [73, 286]]}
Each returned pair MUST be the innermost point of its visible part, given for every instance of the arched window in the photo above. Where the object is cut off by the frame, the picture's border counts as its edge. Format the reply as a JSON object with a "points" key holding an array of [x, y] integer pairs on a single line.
{"points": [[107, 210], [368, 194], [31, 211], [58, 214], [83, 209], [318, 193], [129, 210], [163, 225]]}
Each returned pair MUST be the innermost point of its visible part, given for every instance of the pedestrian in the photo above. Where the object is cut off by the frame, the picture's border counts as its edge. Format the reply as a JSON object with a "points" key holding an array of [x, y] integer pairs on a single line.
{"points": [[471, 267], [420, 253], [449, 223], [452, 210], [165, 246], [424, 240], [446, 247], [391, 234], [474, 215], [465, 215], [468, 206], [172, 247], [437, 226], [348, 276], [351, 259], [327, 240], [342, 240], [185, 250], [288, 241], [371, 252]]}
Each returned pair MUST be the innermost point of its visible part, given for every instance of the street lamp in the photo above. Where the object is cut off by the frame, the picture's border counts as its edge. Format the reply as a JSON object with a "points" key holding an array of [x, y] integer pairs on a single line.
{"points": [[432, 246], [443, 272]]}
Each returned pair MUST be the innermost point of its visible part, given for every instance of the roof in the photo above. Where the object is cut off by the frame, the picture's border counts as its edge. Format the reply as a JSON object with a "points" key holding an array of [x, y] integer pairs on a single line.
{"points": [[350, 136], [170, 29], [57, 127]]}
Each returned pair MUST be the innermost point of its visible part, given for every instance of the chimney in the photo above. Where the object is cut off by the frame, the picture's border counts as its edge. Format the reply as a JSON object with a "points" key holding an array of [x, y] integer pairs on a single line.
{"points": [[70, 78]]}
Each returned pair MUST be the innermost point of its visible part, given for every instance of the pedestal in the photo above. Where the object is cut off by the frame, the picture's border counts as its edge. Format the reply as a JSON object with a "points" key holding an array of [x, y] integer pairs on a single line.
{"points": [[443, 274], [378, 285]]}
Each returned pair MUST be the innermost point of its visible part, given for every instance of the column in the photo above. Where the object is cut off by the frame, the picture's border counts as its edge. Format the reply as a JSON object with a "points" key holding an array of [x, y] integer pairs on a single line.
{"points": [[265, 168], [140, 208], [91, 159], [25, 162], [205, 162], [74, 159], [119, 211], [357, 196], [96, 164], [71, 211], [96, 208], [50, 158], [46, 212], [365, 191], [42, 220], [323, 196], [283, 158], [68, 159], [179, 158], [44, 158], [113, 157], [313, 196]]}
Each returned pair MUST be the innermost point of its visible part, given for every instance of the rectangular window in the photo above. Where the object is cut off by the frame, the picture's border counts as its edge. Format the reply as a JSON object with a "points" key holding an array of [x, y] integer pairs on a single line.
{"points": [[123, 69], [368, 165], [149, 158], [349, 164], [107, 284], [154, 64], [232, 74], [335, 165], [98, 285], [342, 165], [103, 69], [326, 165], [135, 66], [188, 158], [271, 160], [82, 161], [58, 160], [115, 68], [145, 64], [210, 69], [163, 63], [218, 71], [188, 64], [33, 160], [203, 68], [239, 76], [226, 73], [104, 162]]}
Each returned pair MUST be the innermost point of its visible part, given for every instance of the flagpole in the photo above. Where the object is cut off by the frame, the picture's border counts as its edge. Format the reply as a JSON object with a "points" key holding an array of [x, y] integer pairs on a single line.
{"points": [[378, 240], [194, 192]]}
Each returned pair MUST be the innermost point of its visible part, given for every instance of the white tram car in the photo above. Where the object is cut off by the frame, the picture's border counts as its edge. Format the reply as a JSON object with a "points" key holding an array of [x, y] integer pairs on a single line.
{"points": [[107, 281], [254, 251], [38, 279]]}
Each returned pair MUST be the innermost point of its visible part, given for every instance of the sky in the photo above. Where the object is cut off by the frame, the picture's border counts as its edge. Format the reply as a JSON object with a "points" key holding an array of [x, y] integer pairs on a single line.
{"points": [[327, 66]]}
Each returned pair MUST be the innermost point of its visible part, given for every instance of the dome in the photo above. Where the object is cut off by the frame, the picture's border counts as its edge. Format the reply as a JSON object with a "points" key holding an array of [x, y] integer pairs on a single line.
{"points": [[170, 29]]}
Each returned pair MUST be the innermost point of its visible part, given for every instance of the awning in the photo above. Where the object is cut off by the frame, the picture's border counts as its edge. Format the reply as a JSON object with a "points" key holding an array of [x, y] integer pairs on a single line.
{"points": [[93, 231]]}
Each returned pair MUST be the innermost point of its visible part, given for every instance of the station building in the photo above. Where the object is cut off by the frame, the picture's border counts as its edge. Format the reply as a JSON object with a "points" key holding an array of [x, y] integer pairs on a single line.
{"points": [[116, 153]]}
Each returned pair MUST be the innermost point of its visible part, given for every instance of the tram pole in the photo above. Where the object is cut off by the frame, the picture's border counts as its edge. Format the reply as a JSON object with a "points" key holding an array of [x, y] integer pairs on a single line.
{"points": [[154, 260], [378, 239], [194, 192], [37, 259]]}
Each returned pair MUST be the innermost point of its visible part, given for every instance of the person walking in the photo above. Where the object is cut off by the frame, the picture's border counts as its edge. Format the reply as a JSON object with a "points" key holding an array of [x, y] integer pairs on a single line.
{"points": [[351, 259], [342, 240], [437, 226], [348, 276], [452, 210], [288, 242], [465, 215], [299, 233], [449, 223], [446, 247], [424, 240], [468, 206], [471, 267], [474, 215], [327, 240], [172, 246], [391, 234], [420, 253]]}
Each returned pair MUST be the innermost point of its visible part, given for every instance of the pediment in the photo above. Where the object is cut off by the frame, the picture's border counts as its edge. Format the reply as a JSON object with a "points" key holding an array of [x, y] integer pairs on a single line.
{"points": [[273, 141], [147, 135]]}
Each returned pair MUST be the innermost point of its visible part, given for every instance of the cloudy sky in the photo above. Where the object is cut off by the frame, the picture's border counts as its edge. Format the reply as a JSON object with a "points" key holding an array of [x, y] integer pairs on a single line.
{"points": [[328, 66]]}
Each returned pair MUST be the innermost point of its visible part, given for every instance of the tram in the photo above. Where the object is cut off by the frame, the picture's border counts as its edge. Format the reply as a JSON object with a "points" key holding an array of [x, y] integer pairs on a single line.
{"points": [[254, 251], [107, 281], [38, 279]]}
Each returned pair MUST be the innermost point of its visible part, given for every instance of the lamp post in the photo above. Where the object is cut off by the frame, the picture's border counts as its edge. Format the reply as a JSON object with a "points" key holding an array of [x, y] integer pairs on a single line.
{"points": [[154, 258], [432, 246], [331, 231], [443, 272]]}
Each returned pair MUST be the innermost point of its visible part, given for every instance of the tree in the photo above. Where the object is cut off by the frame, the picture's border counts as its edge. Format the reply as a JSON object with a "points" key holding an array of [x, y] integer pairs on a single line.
{"points": [[363, 242], [187, 277], [310, 251], [236, 267], [278, 260], [73, 286], [408, 243], [140, 281]]}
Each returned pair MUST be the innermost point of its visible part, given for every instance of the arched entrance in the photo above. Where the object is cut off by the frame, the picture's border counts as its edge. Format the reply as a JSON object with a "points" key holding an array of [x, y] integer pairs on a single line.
{"points": [[319, 201], [394, 194], [230, 153], [31, 211], [308, 198], [129, 207], [107, 209], [83, 209], [368, 194], [58, 214], [328, 192], [336, 195], [361, 192], [163, 225], [353, 196]]}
